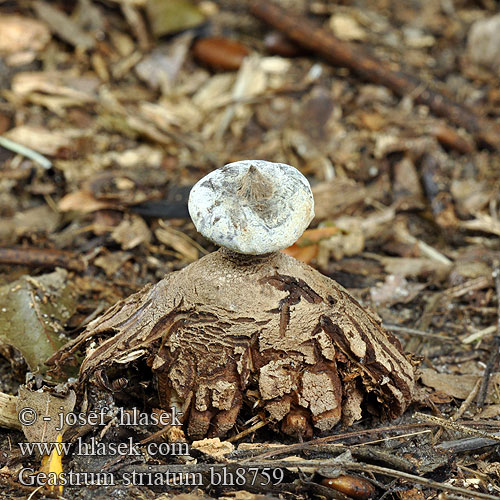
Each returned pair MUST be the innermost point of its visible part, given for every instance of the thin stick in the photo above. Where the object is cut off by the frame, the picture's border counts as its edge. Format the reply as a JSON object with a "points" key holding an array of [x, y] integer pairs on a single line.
{"points": [[462, 409], [340, 53], [244, 433], [465, 405], [495, 355], [414, 331], [467, 444], [206, 469], [40, 257], [420, 480], [385, 439], [156, 434], [329, 439], [469, 286], [480, 334], [456, 427], [27, 152]]}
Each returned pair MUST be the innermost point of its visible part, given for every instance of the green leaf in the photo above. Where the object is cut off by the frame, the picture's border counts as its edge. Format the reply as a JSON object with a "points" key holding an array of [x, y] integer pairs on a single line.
{"points": [[33, 312]]}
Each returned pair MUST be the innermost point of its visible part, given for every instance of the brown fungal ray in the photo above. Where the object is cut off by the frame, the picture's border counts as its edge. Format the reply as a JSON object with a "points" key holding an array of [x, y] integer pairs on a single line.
{"points": [[227, 324]]}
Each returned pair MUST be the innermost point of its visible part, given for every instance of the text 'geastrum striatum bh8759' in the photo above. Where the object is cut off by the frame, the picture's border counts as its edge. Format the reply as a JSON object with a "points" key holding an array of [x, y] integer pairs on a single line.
{"points": [[248, 326]]}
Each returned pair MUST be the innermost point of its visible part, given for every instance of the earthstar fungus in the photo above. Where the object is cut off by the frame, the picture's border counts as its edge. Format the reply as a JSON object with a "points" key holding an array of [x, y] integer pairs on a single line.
{"points": [[250, 326], [252, 207]]}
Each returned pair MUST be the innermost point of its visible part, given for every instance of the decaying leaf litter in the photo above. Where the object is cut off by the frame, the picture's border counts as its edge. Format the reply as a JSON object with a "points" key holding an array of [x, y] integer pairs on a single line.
{"points": [[125, 117]]}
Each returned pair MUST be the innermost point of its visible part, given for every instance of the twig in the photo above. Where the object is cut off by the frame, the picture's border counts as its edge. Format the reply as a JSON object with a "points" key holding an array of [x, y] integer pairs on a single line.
{"points": [[430, 252], [414, 331], [420, 480], [386, 439], [309, 35], [207, 469], [337, 437], [39, 257], [156, 435], [462, 409], [456, 427], [27, 152], [427, 250], [494, 357], [242, 434], [35, 491], [469, 286], [467, 444], [480, 334], [449, 137], [466, 403]]}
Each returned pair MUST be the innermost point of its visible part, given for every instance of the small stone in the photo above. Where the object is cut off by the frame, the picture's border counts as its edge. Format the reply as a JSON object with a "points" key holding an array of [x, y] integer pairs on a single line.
{"points": [[252, 207], [483, 42], [346, 28]]}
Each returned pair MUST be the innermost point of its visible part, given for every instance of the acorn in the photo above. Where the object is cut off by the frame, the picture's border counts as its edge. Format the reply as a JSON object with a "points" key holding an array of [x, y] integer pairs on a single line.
{"points": [[352, 486]]}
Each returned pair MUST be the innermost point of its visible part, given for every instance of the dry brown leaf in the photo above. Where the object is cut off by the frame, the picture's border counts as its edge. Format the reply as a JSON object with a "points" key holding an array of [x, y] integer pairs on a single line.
{"points": [[160, 68], [131, 232], [44, 404], [305, 254], [457, 386], [471, 196], [111, 262], [36, 220], [306, 248], [489, 412], [413, 267], [48, 142], [179, 241], [350, 240], [81, 89], [333, 198], [406, 185], [22, 33], [395, 290], [82, 201]]}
